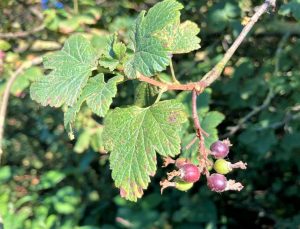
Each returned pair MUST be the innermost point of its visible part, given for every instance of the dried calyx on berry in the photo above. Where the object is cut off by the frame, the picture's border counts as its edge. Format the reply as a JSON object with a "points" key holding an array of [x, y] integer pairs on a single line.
{"points": [[184, 177], [179, 162], [220, 149], [177, 183], [223, 167], [218, 183]]}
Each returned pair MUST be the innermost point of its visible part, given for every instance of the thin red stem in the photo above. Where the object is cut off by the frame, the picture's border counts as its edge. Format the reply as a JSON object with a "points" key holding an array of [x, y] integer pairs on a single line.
{"points": [[203, 160]]}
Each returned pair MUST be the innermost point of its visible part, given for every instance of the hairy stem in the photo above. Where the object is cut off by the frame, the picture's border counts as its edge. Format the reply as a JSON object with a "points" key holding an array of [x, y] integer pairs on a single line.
{"points": [[203, 160], [195, 114]]}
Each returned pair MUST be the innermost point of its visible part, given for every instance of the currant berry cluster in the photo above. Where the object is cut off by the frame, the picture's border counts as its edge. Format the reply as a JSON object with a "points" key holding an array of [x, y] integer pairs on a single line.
{"points": [[184, 178], [188, 173]]}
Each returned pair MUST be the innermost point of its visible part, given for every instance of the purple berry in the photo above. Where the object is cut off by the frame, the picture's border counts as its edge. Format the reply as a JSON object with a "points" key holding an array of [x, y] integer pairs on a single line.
{"points": [[217, 182], [189, 173], [219, 149]]}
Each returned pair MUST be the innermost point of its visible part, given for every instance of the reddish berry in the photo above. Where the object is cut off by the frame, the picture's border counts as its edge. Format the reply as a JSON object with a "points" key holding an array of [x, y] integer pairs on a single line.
{"points": [[189, 173], [219, 149], [217, 182]]}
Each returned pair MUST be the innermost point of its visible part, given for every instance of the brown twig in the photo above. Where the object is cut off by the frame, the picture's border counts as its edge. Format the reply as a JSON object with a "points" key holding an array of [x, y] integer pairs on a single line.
{"points": [[173, 87], [216, 71], [21, 34], [242, 122], [195, 115], [4, 102]]}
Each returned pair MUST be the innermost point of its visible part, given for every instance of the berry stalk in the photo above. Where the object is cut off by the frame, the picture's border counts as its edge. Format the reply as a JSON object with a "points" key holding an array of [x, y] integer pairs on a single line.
{"points": [[202, 158]]}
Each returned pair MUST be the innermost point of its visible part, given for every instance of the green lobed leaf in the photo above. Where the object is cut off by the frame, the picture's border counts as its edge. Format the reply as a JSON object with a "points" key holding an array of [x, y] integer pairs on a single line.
{"points": [[98, 95], [160, 15], [119, 49], [150, 56], [113, 54], [145, 94], [71, 68], [180, 38], [133, 135], [185, 38]]}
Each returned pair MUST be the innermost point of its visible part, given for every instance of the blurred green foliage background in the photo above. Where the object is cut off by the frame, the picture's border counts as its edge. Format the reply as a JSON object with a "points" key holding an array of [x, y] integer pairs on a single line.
{"points": [[47, 181]]}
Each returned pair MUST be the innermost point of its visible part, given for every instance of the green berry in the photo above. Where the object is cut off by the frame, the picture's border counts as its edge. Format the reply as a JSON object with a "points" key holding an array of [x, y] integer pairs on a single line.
{"points": [[222, 166], [183, 186]]}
